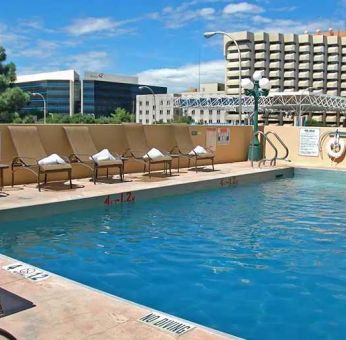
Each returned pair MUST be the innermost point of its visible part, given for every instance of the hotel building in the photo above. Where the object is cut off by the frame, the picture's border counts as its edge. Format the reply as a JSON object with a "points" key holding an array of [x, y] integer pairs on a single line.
{"points": [[292, 62]]}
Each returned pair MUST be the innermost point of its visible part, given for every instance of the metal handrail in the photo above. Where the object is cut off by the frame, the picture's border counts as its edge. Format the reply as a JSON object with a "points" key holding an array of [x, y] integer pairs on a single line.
{"points": [[263, 160], [282, 144]]}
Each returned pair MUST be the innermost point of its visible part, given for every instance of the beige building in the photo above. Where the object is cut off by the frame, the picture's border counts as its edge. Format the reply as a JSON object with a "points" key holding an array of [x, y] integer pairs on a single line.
{"points": [[292, 62], [150, 109]]}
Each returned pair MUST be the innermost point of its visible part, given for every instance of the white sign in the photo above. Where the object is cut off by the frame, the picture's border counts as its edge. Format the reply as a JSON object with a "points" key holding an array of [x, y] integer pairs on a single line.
{"points": [[166, 323], [28, 272], [309, 142]]}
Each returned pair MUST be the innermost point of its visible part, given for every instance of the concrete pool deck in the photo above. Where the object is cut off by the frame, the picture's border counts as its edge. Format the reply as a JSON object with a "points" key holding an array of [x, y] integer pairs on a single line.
{"points": [[65, 309]]}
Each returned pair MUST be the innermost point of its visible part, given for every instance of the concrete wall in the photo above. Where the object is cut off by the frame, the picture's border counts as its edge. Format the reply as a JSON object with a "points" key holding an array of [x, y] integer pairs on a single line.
{"points": [[113, 137], [291, 136]]}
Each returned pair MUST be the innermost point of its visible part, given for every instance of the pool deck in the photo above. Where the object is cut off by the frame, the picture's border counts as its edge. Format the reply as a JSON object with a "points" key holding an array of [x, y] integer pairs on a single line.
{"points": [[27, 195], [65, 309]]}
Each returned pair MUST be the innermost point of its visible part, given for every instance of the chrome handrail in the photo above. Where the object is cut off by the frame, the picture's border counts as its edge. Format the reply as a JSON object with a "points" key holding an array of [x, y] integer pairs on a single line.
{"points": [[282, 144], [264, 159]]}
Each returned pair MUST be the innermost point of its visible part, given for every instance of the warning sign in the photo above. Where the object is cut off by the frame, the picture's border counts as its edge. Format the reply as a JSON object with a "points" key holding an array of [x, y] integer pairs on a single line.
{"points": [[29, 272], [223, 135]]}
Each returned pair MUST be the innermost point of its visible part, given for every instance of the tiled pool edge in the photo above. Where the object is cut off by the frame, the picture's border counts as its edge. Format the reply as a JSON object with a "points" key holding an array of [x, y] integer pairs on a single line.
{"points": [[146, 309], [123, 197]]}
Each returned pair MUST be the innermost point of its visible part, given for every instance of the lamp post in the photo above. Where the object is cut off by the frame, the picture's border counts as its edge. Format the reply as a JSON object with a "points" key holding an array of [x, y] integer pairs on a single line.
{"points": [[259, 88], [211, 34], [300, 105], [37, 94], [153, 93]]}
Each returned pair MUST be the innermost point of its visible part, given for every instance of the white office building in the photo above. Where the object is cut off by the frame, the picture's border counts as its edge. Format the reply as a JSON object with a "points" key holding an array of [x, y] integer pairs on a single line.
{"points": [[160, 108]]}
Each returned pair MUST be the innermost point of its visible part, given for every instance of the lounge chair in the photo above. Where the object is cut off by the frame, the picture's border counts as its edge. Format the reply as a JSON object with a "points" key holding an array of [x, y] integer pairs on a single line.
{"points": [[30, 151], [185, 147], [84, 149], [140, 150]]}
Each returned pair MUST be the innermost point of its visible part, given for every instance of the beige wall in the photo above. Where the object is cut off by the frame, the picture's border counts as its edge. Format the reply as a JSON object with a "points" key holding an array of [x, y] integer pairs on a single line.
{"points": [[290, 136], [113, 137]]}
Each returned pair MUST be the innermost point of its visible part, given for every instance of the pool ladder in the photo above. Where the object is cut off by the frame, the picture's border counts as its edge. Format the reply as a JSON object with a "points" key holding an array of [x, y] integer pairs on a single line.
{"points": [[272, 161]]}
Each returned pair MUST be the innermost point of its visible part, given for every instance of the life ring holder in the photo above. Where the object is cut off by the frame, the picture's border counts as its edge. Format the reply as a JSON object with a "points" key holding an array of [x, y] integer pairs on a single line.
{"points": [[335, 146]]}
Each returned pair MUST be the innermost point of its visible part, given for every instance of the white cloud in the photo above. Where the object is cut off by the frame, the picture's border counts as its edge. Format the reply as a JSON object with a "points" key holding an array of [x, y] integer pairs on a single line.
{"points": [[184, 77], [92, 60], [242, 7], [176, 17], [84, 26]]}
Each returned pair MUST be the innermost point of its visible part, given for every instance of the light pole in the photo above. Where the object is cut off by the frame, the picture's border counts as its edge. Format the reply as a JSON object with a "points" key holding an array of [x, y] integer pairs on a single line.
{"points": [[259, 88], [300, 105], [37, 94], [211, 34], [153, 93]]}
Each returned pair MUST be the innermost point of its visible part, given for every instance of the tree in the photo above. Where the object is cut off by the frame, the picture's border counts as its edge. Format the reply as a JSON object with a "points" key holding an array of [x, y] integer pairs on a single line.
{"points": [[120, 115], [12, 98]]}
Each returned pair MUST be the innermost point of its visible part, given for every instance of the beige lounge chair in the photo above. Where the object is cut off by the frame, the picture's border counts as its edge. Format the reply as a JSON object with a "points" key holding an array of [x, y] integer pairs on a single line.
{"points": [[83, 148], [29, 148], [185, 147], [139, 148]]}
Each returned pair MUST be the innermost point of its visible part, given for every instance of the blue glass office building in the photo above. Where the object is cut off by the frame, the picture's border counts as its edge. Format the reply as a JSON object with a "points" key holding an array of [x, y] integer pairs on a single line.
{"points": [[97, 93]]}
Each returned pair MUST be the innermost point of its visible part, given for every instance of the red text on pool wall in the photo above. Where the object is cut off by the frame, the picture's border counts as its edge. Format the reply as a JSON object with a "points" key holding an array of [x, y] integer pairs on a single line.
{"points": [[228, 181], [124, 197]]}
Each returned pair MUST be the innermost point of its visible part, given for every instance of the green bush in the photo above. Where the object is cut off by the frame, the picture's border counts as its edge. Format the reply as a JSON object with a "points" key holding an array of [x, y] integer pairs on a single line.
{"points": [[313, 122]]}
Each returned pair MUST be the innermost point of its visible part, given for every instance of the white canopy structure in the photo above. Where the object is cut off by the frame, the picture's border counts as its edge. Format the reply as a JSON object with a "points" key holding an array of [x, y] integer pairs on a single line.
{"points": [[287, 102]]}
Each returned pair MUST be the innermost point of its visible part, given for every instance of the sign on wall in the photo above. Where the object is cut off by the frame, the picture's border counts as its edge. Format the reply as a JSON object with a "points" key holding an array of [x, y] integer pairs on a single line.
{"points": [[211, 138], [309, 142], [223, 135]]}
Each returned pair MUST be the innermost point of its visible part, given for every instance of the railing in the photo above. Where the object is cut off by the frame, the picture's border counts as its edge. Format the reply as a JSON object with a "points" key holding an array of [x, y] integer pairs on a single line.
{"points": [[272, 161], [284, 158], [264, 159]]}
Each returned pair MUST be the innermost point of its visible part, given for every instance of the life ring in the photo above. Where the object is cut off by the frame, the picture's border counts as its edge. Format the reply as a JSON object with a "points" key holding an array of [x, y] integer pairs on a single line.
{"points": [[335, 148]]}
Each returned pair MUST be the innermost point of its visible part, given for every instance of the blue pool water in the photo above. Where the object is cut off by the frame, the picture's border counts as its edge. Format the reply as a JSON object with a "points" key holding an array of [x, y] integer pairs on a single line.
{"points": [[262, 261]]}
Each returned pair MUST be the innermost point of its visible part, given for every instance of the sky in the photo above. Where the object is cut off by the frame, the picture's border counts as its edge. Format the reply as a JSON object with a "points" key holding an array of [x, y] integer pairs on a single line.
{"points": [[160, 41]]}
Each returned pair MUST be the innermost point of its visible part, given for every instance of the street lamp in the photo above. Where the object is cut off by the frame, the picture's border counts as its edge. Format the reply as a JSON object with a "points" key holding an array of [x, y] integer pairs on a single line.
{"points": [[153, 93], [37, 94], [211, 34], [299, 123], [259, 88]]}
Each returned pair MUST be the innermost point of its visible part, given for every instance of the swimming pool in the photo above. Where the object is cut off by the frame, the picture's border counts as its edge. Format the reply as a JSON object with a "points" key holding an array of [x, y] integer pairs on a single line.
{"points": [[257, 261]]}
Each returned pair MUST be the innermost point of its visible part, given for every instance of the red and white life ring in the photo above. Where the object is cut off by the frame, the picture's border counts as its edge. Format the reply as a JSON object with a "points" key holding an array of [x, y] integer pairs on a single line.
{"points": [[335, 148]]}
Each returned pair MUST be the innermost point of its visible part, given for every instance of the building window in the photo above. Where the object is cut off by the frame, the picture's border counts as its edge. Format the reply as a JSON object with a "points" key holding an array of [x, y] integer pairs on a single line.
{"points": [[140, 103], [140, 121], [168, 102], [161, 112], [201, 112], [147, 112], [210, 112], [193, 112], [168, 112], [210, 121], [218, 112], [161, 102], [147, 103], [218, 120], [140, 112]]}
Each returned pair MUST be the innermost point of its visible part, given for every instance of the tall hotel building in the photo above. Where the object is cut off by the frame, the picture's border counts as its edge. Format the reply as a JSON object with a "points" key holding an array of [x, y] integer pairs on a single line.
{"points": [[292, 62]]}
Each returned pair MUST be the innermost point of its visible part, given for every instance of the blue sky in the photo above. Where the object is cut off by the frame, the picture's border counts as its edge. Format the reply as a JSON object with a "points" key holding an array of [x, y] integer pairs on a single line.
{"points": [[161, 41]]}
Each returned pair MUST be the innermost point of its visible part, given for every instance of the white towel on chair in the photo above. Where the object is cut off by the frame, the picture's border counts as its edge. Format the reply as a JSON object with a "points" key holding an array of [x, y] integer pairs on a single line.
{"points": [[52, 159], [103, 155], [199, 150], [154, 154]]}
